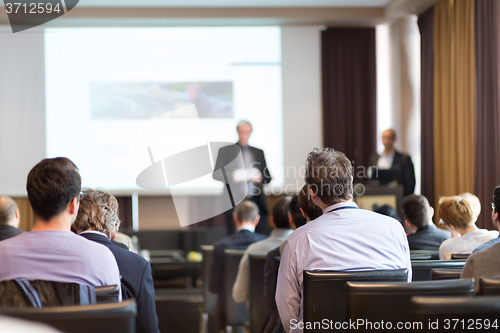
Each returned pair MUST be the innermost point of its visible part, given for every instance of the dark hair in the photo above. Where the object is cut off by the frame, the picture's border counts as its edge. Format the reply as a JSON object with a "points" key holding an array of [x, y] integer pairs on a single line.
{"points": [[308, 206], [297, 217], [7, 209], [98, 211], [280, 213], [246, 211], [416, 210], [52, 184], [496, 198], [387, 211], [329, 175]]}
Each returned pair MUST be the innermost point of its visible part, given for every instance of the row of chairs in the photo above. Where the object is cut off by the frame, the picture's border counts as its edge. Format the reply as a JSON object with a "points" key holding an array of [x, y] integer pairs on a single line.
{"points": [[315, 284]]}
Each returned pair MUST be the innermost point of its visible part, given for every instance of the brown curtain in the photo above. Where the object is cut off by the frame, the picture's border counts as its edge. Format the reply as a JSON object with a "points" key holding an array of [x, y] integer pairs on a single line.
{"points": [[125, 212], [426, 27], [349, 92], [454, 97], [487, 143], [25, 213]]}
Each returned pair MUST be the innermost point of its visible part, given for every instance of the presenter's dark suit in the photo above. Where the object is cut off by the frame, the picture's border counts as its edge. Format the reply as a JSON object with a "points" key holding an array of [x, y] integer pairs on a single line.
{"points": [[406, 173], [8, 231], [239, 240], [226, 155], [137, 282], [429, 237]]}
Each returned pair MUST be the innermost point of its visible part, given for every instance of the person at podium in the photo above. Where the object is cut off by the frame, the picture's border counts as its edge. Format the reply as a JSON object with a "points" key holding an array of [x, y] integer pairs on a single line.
{"points": [[392, 165], [253, 171]]}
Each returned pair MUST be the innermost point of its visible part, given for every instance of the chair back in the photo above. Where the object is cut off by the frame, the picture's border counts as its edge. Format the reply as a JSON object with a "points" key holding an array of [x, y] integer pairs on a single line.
{"points": [[209, 298], [489, 286], [433, 253], [375, 302], [40, 293], [457, 314], [459, 256], [107, 294], [259, 311], [325, 296], [445, 274], [96, 318], [421, 269], [236, 314]]}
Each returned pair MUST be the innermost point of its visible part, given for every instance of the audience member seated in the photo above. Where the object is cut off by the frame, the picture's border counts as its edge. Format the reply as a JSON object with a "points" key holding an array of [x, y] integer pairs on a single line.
{"points": [[458, 214], [387, 211], [280, 223], [9, 218], [495, 206], [97, 220], [343, 238], [124, 241], [246, 217], [302, 210], [483, 262], [50, 251], [418, 219]]}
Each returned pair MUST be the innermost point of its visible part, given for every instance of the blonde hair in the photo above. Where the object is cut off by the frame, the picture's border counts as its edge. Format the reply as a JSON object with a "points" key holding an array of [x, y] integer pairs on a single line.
{"points": [[475, 204], [456, 211]]}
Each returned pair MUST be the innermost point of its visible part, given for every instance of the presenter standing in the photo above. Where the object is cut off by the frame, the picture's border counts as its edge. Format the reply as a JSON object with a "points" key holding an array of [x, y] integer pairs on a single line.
{"points": [[254, 172], [391, 159]]}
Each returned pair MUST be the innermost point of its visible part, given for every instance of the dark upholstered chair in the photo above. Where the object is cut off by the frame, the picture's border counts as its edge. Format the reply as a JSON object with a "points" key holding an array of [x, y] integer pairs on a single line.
{"points": [[259, 311], [107, 294], [421, 269], [40, 293], [390, 302], [325, 295], [456, 314], [459, 256], [489, 286], [445, 274], [236, 314], [418, 253], [209, 298], [96, 318]]}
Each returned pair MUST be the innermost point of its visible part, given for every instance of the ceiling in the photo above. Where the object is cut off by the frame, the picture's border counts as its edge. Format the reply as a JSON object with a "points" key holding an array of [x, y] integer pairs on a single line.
{"points": [[133, 13]]}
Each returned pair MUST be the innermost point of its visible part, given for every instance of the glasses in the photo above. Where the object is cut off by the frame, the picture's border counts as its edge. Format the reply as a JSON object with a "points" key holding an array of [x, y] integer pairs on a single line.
{"points": [[492, 206]]}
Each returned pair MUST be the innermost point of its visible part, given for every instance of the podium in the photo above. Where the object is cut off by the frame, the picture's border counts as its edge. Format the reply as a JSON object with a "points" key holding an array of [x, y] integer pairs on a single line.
{"points": [[370, 197]]}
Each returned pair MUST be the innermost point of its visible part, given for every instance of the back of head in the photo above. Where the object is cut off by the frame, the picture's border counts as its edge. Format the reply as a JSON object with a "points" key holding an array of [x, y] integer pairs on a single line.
{"points": [[329, 175], [246, 211], [387, 211], [98, 211], [475, 204], [280, 213], [52, 184], [297, 218], [8, 209], [496, 198], [308, 206], [456, 211], [416, 210]]}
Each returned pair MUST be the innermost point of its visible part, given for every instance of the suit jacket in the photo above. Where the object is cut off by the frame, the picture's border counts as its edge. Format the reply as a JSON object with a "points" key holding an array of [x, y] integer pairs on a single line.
{"points": [[406, 172], [239, 240], [482, 263], [136, 281], [7, 231], [429, 237]]}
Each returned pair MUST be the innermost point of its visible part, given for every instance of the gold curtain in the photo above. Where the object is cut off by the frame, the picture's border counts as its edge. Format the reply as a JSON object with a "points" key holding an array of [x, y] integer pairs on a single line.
{"points": [[25, 212], [454, 97]]}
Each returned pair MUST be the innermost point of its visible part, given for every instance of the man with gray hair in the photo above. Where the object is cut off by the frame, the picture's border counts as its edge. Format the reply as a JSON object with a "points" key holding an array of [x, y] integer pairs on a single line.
{"points": [[344, 238], [9, 218]]}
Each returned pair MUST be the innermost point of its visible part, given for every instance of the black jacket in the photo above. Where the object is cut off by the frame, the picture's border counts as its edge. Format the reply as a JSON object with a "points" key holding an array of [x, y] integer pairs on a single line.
{"points": [[429, 237], [137, 282], [7, 231]]}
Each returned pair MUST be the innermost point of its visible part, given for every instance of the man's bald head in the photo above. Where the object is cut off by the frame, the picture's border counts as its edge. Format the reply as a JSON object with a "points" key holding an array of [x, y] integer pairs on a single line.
{"points": [[9, 213]]}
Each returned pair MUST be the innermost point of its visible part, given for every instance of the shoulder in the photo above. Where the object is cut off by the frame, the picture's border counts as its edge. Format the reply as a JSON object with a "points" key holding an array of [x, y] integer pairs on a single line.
{"points": [[256, 150]]}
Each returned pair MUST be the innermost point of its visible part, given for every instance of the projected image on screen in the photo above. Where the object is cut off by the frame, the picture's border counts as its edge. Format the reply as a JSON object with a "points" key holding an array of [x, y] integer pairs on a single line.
{"points": [[117, 100], [116, 80]]}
